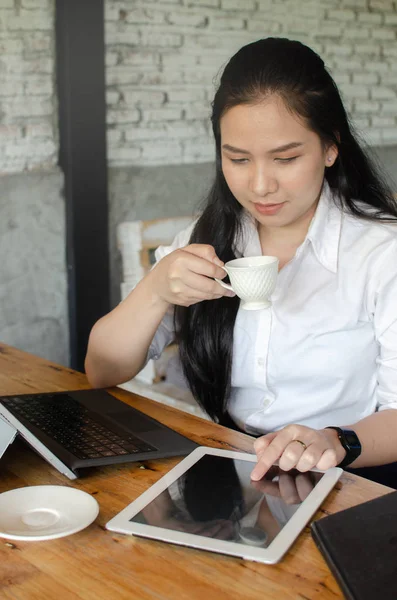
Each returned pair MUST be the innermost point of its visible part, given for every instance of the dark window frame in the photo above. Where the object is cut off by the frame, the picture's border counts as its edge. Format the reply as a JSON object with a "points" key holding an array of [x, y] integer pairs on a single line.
{"points": [[80, 62]]}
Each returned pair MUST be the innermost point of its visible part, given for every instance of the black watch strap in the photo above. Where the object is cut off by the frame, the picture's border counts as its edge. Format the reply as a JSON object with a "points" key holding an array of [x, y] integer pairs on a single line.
{"points": [[350, 442]]}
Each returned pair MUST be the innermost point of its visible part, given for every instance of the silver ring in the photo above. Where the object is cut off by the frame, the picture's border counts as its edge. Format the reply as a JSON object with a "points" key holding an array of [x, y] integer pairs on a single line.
{"points": [[301, 443]]}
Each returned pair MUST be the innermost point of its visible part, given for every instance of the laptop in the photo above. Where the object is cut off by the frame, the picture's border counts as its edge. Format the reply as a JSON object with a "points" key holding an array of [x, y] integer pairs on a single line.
{"points": [[74, 430]]}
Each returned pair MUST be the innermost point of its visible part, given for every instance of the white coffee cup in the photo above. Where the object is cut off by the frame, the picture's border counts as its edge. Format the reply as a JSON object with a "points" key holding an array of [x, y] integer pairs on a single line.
{"points": [[253, 279]]}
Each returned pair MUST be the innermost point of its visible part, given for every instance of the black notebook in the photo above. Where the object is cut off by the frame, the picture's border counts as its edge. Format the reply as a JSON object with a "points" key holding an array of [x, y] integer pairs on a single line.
{"points": [[360, 546]]}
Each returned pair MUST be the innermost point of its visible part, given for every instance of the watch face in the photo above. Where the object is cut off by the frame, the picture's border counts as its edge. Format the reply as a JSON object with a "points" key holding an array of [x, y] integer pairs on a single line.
{"points": [[351, 443], [351, 439]]}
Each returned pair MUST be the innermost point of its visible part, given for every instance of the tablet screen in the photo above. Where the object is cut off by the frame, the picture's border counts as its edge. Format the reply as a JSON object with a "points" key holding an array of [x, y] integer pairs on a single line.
{"points": [[216, 498]]}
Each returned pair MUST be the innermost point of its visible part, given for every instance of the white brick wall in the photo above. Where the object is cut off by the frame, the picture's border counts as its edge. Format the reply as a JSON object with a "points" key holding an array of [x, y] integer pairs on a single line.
{"points": [[162, 59], [28, 132], [164, 55]]}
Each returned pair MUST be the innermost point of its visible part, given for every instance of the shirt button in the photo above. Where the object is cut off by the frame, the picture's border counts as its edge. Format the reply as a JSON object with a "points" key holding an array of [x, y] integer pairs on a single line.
{"points": [[261, 362], [266, 403]]}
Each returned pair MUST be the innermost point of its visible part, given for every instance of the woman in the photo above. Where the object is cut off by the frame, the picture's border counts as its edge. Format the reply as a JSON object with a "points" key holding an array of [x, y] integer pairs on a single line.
{"points": [[315, 376]]}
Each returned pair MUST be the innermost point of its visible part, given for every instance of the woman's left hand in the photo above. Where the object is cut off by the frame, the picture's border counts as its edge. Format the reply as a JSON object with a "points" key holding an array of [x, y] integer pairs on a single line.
{"points": [[297, 447]]}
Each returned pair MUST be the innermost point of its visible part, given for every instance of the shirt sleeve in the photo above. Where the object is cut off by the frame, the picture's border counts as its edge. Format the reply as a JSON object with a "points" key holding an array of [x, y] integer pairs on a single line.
{"points": [[165, 333], [385, 322]]}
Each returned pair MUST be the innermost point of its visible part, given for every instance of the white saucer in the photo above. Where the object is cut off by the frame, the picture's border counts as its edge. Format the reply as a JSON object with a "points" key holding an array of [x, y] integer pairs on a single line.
{"points": [[45, 512]]}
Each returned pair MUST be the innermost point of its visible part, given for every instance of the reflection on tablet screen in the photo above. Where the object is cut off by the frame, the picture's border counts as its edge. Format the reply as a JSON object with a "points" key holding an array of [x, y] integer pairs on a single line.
{"points": [[216, 498]]}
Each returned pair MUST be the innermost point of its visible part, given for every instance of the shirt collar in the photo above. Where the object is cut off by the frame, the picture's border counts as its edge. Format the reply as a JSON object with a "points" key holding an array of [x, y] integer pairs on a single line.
{"points": [[324, 232], [325, 229]]}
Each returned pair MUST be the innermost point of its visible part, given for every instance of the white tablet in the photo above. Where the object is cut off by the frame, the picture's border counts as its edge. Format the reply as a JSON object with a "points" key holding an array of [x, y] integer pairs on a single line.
{"points": [[208, 501]]}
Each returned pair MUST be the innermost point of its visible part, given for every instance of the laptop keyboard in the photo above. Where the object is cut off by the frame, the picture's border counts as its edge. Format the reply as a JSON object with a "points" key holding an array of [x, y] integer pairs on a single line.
{"points": [[74, 427]]}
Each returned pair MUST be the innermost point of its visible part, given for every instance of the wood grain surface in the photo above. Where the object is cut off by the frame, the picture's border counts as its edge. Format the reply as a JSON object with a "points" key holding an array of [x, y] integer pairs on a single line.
{"points": [[98, 564]]}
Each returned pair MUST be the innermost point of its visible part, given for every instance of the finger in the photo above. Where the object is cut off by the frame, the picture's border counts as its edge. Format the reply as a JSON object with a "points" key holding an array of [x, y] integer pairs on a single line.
{"points": [[215, 528], [291, 455], [227, 531], [327, 460], [263, 442], [304, 485], [208, 286], [271, 488], [197, 527], [266, 457], [184, 260], [311, 456], [276, 448], [204, 251], [188, 290], [284, 437], [288, 490]]}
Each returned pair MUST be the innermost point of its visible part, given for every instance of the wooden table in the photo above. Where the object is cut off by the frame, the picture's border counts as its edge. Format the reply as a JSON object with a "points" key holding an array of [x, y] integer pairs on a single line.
{"points": [[97, 564]]}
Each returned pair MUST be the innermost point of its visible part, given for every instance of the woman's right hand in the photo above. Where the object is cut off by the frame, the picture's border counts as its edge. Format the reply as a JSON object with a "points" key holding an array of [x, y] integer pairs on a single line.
{"points": [[119, 341], [186, 276]]}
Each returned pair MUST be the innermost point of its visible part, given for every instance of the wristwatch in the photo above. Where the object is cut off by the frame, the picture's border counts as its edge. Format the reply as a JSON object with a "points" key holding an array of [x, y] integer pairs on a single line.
{"points": [[350, 442]]}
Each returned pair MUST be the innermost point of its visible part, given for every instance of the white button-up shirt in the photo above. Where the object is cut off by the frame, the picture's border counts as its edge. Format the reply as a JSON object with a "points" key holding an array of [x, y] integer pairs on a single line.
{"points": [[325, 353]]}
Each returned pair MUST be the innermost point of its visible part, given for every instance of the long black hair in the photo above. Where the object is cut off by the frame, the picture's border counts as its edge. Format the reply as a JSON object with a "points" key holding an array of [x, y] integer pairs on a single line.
{"points": [[297, 75], [211, 489]]}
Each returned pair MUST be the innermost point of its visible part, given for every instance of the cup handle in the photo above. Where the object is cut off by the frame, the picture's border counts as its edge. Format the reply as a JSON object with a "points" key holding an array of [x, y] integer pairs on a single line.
{"points": [[224, 285]]}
